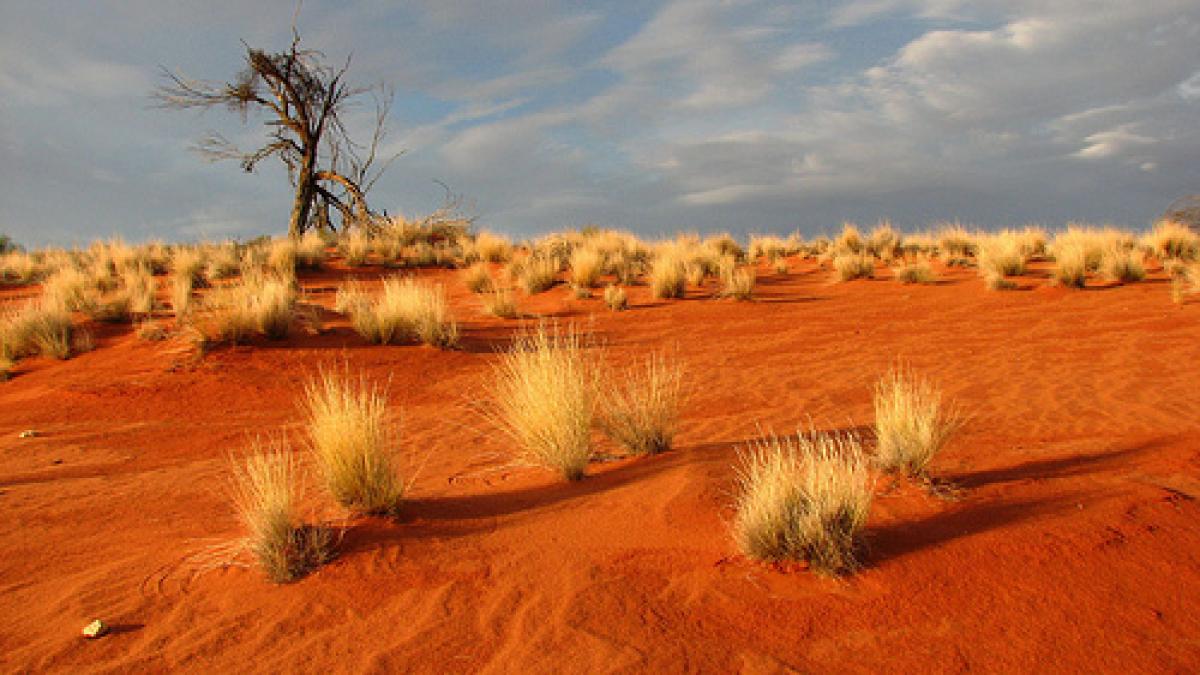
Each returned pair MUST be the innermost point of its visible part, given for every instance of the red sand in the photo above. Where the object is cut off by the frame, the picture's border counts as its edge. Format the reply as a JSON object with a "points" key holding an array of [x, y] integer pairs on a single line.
{"points": [[1075, 545]]}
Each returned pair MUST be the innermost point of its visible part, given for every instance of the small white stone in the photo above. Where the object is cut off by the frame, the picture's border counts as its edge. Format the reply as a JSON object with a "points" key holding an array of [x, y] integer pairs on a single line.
{"points": [[95, 629]]}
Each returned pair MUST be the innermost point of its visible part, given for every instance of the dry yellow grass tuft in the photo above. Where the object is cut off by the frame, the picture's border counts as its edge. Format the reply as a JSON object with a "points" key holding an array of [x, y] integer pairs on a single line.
{"points": [[356, 247], [477, 278], [1170, 239], [586, 264], [916, 271], [499, 302], [911, 423], [668, 275], [737, 283], [258, 305], [37, 328], [615, 298], [1123, 265], [536, 273], [805, 498], [406, 309], [1070, 266], [850, 266], [639, 406], [267, 491], [348, 430], [542, 395]]}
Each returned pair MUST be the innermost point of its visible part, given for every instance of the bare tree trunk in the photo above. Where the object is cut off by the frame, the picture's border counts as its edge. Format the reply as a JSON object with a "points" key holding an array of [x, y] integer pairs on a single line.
{"points": [[306, 183]]}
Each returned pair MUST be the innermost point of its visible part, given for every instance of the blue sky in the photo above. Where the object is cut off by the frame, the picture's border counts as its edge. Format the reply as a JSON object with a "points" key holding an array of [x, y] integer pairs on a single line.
{"points": [[653, 116]]}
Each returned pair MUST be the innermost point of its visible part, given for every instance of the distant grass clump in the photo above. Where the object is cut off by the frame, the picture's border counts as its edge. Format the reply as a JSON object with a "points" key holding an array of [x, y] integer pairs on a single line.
{"points": [[640, 405], [1173, 240], [1070, 266], [267, 491], [668, 276], [1123, 265], [586, 265], [803, 498], [477, 278], [499, 302], [542, 395], [347, 423], [405, 309], [258, 305], [912, 424], [536, 274], [852, 266], [43, 328], [615, 298], [737, 283], [917, 271]]}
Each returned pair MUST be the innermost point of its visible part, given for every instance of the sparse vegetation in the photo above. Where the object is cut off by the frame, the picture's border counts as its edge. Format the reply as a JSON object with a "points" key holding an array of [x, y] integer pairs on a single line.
{"points": [[640, 405], [477, 278], [351, 442], [405, 309], [542, 395], [668, 276], [499, 302], [803, 498], [267, 492], [615, 298], [853, 266], [917, 271], [912, 424]]}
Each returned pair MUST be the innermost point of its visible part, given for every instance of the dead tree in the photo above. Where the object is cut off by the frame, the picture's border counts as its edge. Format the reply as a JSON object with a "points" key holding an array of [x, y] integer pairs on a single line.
{"points": [[303, 100]]}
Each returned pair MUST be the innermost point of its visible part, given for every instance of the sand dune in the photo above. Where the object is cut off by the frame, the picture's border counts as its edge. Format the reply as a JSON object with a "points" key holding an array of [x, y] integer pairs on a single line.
{"points": [[1073, 545]]}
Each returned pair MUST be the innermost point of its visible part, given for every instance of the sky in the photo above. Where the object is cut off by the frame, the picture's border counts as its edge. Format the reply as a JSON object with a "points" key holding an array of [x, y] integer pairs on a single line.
{"points": [[657, 117]]}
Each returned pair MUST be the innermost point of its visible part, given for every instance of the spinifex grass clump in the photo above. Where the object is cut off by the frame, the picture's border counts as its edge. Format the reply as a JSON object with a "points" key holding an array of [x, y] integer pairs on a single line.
{"points": [[912, 424], [615, 298], [850, 266], [37, 328], [406, 309], [803, 498], [668, 275], [640, 405], [258, 305], [267, 492], [541, 396], [348, 431]]}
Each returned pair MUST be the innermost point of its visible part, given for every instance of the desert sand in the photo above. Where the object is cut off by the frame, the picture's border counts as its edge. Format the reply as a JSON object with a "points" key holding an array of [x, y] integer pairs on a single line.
{"points": [[1072, 545]]}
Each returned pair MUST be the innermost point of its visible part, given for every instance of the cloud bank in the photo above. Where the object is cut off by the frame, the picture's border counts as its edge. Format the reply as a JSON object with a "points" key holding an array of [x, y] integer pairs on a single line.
{"points": [[697, 114]]}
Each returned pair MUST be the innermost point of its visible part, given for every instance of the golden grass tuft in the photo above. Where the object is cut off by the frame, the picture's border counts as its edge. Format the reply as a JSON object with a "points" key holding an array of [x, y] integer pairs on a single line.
{"points": [[37, 328], [737, 283], [803, 498], [356, 247], [586, 265], [541, 395], [668, 275], [615, 298], [405, 309], [536, 273], [917, 271], [639, 406], [912, 424], [499, 302], [310, 250], [258, 305], [1123, 265], [1070, 266], [477, 278], [1170, 239], [852, 266], [267, 491], [348, 430]]}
